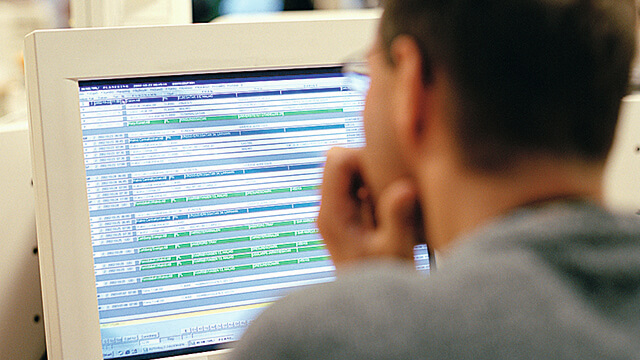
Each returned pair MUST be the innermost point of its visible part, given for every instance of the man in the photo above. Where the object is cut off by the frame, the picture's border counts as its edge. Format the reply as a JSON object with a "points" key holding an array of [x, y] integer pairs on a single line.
{"points": [[492, 119]]}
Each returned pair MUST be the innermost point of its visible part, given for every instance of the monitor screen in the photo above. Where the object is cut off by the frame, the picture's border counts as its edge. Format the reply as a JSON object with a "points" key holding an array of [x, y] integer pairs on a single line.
{"points": [[177, 172], [203, 195]]}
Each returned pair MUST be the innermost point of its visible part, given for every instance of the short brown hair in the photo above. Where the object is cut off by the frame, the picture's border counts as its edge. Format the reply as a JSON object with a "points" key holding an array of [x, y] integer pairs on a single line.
{"points": [[541, 76]]}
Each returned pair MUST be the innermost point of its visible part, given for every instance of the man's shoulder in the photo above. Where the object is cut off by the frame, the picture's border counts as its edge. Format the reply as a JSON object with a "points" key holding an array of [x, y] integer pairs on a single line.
{"points": [[377, 310], [519, 286], [362, 314]]}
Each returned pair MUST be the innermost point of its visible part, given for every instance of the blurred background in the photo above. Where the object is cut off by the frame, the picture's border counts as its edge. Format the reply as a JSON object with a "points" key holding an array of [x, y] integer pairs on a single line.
{"points": [[20, 17]]}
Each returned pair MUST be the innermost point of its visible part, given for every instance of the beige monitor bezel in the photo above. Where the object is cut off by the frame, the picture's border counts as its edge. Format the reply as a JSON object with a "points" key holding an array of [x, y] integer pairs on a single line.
{"points": [[57, 59]]}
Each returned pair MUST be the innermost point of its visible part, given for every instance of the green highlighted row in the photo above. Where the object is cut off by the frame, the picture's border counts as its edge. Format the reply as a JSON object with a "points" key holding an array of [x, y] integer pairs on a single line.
{"points": [[231, 117], [242, 255], [226, 252], [227, 240], [234, 268], [226, 229], [226, 195]]}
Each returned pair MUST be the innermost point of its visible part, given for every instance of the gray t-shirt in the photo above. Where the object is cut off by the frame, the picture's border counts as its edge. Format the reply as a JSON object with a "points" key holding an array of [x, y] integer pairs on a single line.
{"points": [[559, 281]]}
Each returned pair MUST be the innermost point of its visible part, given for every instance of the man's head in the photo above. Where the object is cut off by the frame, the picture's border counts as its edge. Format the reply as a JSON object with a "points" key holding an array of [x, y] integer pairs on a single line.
{"points": [[491, 104], [529, 75]]}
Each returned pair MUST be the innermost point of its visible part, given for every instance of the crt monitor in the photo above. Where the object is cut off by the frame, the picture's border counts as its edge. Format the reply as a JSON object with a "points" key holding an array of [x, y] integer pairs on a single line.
{"points": [[176, 171]]}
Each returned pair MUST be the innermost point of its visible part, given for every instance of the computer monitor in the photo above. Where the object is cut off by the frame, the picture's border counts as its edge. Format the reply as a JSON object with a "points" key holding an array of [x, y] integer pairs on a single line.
{"points": [[176, 172]]}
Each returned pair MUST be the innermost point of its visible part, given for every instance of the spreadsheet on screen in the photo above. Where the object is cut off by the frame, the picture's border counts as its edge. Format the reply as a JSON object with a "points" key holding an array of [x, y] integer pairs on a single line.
{"points": [[203, 193]]}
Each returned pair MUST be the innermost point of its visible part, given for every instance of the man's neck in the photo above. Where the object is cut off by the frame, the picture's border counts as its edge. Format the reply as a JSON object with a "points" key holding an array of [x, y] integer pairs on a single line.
{"points": [[459, 200]]}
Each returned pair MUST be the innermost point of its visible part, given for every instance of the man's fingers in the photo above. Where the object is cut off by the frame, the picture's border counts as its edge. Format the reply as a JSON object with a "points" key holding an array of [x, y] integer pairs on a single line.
{"points": [[353, 227], [343, 203], [341, 174], [399, 227]]}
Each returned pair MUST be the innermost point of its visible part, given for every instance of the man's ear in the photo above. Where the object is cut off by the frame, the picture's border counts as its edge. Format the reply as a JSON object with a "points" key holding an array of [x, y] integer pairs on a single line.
{"points": [[412, 96]]}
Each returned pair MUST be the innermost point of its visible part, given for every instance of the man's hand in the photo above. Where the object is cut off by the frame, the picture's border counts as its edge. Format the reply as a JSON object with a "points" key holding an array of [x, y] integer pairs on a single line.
{"points": [[353, 225]]}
